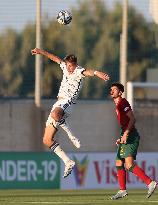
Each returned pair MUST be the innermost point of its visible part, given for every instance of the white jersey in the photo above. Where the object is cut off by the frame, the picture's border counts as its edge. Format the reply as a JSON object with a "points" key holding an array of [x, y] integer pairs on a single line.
{"points": [[71, 84]]}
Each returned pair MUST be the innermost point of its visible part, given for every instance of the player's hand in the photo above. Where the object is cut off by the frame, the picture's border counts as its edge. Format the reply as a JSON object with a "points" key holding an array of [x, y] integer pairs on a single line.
{"points": [[103, 76], [36, 51], [124, 139]]}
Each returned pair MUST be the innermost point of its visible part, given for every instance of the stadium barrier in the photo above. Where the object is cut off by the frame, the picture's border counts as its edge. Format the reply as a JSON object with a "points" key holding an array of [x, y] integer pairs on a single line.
{"points": [[93, 170]]}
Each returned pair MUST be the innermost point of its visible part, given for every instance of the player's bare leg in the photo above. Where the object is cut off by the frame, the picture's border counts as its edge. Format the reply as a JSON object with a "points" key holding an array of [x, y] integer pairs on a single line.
{"points": [[49, 141]]}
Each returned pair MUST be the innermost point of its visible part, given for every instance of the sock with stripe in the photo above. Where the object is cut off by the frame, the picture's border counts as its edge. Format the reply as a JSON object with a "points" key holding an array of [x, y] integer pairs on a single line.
{"points": [[121, 174], [140, 174], [55, 147]]}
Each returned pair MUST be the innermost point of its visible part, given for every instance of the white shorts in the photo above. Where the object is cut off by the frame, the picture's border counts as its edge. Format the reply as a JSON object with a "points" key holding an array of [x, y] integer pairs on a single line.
{"points": [[65, 105]]}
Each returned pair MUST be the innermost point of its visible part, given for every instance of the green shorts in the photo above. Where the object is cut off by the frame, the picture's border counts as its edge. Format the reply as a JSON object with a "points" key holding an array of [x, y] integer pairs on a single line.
{"points": [[129, 149]]}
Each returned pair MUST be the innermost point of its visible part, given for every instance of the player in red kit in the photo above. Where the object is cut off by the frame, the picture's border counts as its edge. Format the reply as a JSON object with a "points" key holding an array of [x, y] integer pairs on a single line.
{"points": [[127, 144]]}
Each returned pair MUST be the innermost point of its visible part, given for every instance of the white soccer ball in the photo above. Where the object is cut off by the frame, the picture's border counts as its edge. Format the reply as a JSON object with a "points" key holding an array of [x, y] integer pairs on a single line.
{"points": [[64, 17]]}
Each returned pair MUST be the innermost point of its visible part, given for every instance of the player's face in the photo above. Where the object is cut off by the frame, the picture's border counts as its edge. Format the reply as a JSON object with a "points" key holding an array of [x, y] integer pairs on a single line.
{"points": [[115, 92], [70, 67]]}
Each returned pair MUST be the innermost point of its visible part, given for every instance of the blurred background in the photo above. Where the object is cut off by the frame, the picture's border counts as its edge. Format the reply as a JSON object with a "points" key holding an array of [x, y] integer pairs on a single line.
{"points": [[118, 37]]}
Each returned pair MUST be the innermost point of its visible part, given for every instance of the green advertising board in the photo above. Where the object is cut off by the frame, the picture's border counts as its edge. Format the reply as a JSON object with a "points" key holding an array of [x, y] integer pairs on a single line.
{"points": [[23, 170]]}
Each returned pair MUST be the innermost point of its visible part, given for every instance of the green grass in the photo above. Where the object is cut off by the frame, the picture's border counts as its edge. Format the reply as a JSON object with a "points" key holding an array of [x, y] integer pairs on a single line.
{"points": [[74, 197]]}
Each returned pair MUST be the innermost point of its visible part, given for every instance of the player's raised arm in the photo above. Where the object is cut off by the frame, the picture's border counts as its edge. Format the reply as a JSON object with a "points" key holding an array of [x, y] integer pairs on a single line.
{"points": [[51, 56], [99, 74]]}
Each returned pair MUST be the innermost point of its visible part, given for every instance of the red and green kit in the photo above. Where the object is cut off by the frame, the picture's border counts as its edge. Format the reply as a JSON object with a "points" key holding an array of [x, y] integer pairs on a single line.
{"points": [[131, 147]]}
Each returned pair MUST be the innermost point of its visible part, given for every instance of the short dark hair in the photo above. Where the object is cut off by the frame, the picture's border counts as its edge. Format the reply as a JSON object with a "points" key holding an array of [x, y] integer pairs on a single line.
{"points": [[70, 58], [119, 86]]}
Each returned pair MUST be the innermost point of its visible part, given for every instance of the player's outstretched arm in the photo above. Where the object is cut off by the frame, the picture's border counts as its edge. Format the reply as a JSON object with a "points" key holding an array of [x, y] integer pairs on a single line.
{"points": [[51, 56], [99, 74]]}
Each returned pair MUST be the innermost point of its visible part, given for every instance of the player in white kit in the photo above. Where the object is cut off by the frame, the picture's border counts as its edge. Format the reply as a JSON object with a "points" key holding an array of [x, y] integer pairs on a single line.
{"points": [[70, 87]]}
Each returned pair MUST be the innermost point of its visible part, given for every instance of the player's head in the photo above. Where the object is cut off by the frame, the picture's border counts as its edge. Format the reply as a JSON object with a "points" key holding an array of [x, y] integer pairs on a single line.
{"points": [[71, 59], [116, 90], [71, 62], [119, 86]]}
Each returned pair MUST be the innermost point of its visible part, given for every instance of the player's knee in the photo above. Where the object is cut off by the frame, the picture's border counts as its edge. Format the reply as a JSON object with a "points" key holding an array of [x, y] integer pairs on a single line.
{"points": [[47, 139], [119, 163], [128, 166]]}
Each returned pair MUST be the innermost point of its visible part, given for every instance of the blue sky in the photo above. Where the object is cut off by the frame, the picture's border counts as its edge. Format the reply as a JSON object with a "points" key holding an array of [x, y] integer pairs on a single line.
{"points": [[16, 13]]}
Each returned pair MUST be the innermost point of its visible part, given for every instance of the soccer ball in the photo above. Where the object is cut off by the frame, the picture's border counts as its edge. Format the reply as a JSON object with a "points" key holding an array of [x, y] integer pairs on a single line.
{"points": [[64, 17]]}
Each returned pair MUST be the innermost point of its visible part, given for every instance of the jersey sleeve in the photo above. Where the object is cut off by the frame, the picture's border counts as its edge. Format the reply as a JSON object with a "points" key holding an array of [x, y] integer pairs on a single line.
{"points": [[125, 106], [62, 65], [80, 71]]}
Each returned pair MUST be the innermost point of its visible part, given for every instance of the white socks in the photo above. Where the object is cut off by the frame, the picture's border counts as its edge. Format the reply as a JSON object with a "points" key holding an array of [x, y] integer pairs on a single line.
{"points": [[58, 151], [74, 140], [55, 147], [67, 129]]}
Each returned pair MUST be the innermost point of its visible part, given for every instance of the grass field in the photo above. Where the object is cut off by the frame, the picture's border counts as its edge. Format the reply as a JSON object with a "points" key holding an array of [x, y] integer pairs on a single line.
{"points": [[76, 197]]}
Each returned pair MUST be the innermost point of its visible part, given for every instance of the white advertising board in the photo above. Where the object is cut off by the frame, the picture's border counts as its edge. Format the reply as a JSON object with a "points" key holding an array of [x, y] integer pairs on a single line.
{"points": [[97, 170]]}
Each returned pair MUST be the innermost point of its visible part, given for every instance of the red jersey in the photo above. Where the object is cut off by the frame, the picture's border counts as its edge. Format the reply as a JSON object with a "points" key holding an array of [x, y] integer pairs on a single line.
{"points": [[122, 109]]}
